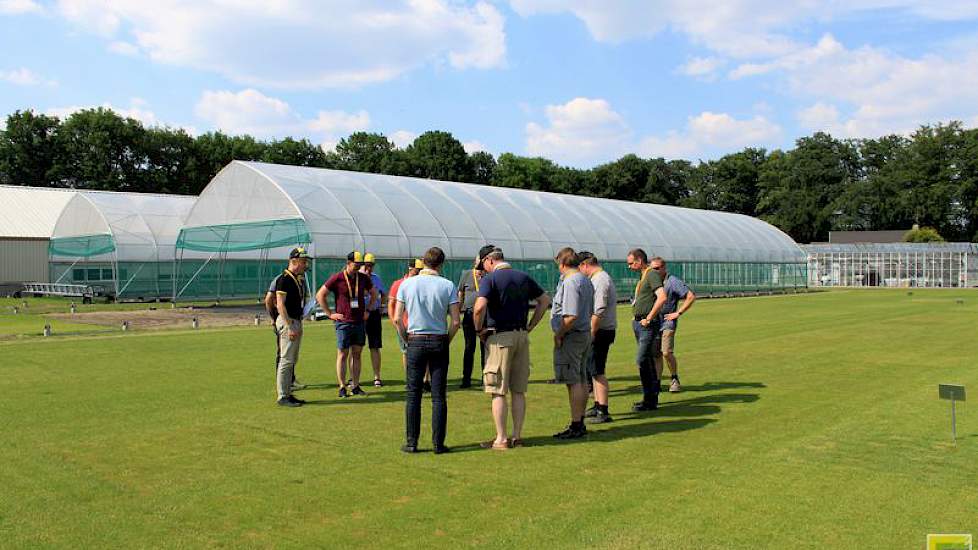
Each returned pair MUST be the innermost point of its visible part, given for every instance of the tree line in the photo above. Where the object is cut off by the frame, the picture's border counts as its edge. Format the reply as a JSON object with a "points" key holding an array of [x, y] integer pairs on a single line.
{"points": [[929, 178]]}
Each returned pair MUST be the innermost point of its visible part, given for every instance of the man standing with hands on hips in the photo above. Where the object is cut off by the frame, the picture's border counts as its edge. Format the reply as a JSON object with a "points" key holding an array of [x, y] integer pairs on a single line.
{"points": [[647, 301], [350, 289], [290, 297]]}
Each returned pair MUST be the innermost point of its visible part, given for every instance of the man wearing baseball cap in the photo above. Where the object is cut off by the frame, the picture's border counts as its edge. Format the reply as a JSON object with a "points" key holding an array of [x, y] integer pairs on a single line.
{"points": [[350, 289], [374, 324], [290, 296]]}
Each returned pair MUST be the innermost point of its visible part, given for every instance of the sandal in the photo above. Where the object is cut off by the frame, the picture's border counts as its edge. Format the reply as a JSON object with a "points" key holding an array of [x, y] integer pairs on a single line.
{"points": [[491, 444], [515, 442]]}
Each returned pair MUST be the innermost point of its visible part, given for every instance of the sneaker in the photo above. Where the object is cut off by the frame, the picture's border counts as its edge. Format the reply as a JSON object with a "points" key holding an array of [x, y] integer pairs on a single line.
{"points": [[592, 412], [642, 406], [286, 402], [378, 383], [599, 418], [571, 433], [295, 399], [674, 386], [426, 387], [343, 392], [357, 390]]}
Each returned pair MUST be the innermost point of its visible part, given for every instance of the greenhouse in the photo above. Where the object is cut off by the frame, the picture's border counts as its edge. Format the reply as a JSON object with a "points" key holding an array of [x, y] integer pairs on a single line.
{"points": [[240, 229], [122, 242], [933, 265]]}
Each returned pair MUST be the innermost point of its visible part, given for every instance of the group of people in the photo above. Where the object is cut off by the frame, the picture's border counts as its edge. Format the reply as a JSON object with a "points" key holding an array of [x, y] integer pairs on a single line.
{"points": [[496, 307]]}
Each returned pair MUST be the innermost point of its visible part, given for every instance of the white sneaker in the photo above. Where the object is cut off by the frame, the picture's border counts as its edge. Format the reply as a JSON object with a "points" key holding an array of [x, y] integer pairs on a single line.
{"points": [[674, 386]]}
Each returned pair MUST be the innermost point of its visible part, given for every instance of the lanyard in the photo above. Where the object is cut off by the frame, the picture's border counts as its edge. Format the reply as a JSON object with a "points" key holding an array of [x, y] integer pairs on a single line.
{"points": [[645, 274], [475, 280], [595, 272], [353, 292], [302, 287]]}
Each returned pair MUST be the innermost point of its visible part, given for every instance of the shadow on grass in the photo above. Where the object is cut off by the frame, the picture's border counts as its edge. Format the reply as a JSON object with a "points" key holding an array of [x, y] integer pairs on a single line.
{"points": [[613, 433], [374, 395]]}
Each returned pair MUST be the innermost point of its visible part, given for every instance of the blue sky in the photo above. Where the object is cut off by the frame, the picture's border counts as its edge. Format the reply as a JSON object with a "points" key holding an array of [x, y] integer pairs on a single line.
{"points": [[578, 81]]}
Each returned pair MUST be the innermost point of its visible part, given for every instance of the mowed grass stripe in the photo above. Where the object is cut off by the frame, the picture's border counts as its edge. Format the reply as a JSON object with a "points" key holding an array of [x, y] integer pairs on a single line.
{"points": [[810, 421]]}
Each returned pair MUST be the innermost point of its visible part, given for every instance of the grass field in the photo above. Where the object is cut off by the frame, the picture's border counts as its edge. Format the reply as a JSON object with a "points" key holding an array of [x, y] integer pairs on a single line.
{"points": [[808, 421]]}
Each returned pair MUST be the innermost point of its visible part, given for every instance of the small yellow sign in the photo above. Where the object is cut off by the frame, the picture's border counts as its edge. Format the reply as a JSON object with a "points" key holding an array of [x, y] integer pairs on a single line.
{"points": [[949, 542]]}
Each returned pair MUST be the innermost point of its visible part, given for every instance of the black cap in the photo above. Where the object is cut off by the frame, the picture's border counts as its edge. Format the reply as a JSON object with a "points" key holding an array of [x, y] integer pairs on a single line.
{"points": [[298, 252], [485, 251]]}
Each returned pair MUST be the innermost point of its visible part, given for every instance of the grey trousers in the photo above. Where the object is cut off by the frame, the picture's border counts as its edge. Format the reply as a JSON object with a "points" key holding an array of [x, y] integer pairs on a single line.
{"points": [[288, 354]]}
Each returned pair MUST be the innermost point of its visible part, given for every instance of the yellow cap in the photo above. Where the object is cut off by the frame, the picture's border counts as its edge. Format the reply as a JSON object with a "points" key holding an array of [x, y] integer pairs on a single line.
{"points": [[368, 258], [418, 264], [355, 256]]}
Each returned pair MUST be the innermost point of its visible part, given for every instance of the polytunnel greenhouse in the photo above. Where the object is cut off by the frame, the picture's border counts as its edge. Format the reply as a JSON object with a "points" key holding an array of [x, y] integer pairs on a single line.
{"points": [[123, 242], [240, 229]]}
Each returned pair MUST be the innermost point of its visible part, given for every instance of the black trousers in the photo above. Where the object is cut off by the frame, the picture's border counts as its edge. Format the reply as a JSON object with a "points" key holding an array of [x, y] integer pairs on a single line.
{"points": [[429, 354], [468, 355]]}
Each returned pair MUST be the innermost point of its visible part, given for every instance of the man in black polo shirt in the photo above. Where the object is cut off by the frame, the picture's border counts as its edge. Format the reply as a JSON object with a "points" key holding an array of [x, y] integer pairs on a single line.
{"points": [[500, 318], [648, 299], [290, 297]]}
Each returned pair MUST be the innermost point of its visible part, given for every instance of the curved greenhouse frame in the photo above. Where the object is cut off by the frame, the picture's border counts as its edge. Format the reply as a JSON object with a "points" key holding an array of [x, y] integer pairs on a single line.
{"points": [[122, 241], [254, 211]]}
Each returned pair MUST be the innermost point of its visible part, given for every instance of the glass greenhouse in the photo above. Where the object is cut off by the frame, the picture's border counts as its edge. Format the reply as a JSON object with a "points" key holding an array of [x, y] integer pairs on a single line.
{"points": [[239, 231], [893, 264], [123, 242]]}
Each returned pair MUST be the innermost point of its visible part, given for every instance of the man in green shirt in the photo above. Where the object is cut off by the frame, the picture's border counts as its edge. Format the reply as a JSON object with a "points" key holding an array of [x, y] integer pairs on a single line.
{"points": [[647, 300]]}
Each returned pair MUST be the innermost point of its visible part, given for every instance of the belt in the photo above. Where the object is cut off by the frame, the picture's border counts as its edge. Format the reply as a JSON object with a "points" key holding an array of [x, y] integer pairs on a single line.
{"points": [[640, 317], [426, 336]]}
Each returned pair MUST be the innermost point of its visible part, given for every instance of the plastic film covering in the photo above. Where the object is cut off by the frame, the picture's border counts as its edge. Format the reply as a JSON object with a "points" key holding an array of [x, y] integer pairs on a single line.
{"points": [[81, 247], [400, 217]]}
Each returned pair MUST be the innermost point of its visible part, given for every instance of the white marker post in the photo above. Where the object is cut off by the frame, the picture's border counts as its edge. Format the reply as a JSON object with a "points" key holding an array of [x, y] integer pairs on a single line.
{"points": [[953, 393]]}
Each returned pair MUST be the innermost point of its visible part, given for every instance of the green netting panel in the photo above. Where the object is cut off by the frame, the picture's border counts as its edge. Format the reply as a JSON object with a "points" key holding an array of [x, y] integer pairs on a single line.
{"points": [[244, 236], [81, 247], [250, 278]]}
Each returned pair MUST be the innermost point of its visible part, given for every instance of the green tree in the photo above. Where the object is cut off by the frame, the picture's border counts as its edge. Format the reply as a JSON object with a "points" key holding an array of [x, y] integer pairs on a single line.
{"points": [[295, 153], [538, 174], [438, 155], [366, 152], [922, 235], [483, 165], [215, 150], [28, 149], [799, 190], [933, 171], [98, 149], [170, 160], [623, 179], [728, 183], [878, 199]]}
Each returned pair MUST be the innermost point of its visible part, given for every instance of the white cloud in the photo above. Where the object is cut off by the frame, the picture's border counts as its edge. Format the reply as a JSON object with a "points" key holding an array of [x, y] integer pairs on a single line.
{"points": [[704, 68], [18, 7], [583, 132], [474, 146], [25, 77], [300, 44], [124, 48], [711, 133], [735, 28], [251, 112], [403, 138], [138, 109]]}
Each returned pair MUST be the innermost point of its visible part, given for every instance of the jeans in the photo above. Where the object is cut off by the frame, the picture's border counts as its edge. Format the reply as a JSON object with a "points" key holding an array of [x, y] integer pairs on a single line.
{"points": [[426, 354], [649, 342], [468, 355]]}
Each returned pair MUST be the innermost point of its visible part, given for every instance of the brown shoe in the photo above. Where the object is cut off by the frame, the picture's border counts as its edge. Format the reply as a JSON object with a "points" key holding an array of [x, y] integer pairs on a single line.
{"points": [[515, 442], [491, 444]]}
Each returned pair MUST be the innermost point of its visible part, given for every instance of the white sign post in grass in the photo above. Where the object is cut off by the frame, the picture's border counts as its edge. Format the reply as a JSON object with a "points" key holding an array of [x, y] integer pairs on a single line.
{"points": [[954, 393]]}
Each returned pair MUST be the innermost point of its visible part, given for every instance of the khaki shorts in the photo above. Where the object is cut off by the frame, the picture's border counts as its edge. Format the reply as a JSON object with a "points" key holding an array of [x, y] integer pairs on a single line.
{"points": [[507, 363], [668, 341], [570, 359]]}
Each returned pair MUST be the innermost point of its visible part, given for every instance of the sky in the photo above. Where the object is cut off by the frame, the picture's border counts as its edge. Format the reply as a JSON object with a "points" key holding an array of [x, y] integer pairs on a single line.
{"points": [[581, 82]]}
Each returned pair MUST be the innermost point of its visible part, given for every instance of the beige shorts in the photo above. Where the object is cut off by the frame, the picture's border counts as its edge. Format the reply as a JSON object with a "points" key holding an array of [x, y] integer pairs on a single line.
{"points": [[668, 341], [507, 363], [570, 359]]}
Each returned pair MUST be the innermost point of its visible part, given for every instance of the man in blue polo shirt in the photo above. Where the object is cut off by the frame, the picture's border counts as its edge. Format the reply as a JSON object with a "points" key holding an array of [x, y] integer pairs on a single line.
{"points": [[428, 299]]}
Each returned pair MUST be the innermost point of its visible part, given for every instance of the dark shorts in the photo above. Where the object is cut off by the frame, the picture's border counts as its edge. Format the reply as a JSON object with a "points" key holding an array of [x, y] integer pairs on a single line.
{"points": [[349, 335], [598, 358], [375, 336]]}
